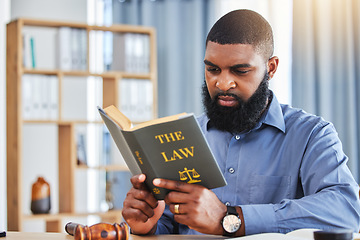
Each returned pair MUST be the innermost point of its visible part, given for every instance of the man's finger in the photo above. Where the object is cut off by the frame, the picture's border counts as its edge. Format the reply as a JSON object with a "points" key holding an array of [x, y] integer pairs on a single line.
{"points": [[138, 181], [174, 185], [135, 214]]}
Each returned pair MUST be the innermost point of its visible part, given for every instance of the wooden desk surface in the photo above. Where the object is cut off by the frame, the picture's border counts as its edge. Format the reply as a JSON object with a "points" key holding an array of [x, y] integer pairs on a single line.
{"points": [[63, 236]]}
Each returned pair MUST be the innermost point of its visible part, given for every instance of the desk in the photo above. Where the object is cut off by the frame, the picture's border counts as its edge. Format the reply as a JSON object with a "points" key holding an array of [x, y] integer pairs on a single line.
{"points": [[63, 236]]}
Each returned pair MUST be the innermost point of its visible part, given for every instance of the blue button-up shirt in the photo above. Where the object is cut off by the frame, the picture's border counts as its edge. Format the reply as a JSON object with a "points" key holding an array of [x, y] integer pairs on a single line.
{"points": [[288, 172]]}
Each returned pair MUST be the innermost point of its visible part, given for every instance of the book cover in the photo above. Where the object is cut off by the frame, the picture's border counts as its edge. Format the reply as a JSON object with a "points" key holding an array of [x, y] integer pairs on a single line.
{"points": [[171, 148]]}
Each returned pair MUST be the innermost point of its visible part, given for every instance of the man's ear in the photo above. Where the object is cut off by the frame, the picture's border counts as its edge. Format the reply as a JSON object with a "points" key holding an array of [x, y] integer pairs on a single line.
{"points": [[272, 65]]}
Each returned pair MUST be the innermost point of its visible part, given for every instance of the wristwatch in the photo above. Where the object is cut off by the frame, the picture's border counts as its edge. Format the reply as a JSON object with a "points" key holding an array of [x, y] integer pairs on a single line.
{"points": [[231, 222]]}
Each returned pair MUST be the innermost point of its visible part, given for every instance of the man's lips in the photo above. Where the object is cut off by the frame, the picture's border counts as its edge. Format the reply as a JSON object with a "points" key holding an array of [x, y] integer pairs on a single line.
{"points": [[227, 101]]}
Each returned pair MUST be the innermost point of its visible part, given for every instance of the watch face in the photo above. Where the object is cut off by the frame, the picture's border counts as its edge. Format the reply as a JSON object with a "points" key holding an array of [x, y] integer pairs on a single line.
{"points": [[231, 223]]}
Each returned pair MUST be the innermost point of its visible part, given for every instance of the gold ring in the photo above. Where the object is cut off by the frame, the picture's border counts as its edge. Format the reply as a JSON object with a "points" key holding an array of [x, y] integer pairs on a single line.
{"points": [[176, 208]]}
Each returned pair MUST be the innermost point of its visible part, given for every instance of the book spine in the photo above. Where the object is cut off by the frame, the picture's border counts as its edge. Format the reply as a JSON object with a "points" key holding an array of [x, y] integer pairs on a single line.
{"points": [[145, 165], [32, 47]]}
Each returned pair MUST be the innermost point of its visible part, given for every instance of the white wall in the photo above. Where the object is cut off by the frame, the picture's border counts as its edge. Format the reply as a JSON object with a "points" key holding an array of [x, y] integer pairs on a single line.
{"points": [[4, 18], [64, 10]]}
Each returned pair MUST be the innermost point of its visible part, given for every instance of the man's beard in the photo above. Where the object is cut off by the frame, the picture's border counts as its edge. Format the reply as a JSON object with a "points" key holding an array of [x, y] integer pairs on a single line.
{"points": [[244, 115]]}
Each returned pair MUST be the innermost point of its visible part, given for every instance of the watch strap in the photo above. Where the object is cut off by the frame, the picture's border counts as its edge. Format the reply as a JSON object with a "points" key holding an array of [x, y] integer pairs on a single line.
{"points": [[232, 210]]}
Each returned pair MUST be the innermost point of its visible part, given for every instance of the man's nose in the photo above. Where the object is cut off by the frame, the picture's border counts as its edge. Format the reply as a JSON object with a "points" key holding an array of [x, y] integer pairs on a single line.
{"points": [[225, 83]]}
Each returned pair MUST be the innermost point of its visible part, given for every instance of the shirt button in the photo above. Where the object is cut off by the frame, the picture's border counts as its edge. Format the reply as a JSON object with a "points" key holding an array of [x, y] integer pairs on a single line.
{"points": [[231, 170], [237, 137], [227, 203]]}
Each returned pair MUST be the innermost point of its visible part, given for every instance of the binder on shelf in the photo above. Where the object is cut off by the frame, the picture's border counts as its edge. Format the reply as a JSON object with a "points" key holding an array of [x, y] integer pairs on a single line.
{"points": [[131, 52], [83, 49], [27, 60], [39, 97], [118, 54], [72, 49], [75, 49], [27, 91], [108, 50], [44, 97], [64, 53], [96, 51], [53, 98], [36, 96], [136, 99]]}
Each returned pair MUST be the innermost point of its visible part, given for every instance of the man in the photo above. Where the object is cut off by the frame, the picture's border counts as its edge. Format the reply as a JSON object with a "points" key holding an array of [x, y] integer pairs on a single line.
{"points": [[285, 168]]}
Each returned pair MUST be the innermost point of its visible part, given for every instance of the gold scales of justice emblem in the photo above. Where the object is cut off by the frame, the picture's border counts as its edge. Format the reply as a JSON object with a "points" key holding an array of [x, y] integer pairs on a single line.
{"points": [[189, 174]]}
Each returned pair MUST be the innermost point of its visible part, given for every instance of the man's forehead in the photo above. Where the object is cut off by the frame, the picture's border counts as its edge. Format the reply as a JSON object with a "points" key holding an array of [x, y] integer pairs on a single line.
{"points": [[215, 45], [231, 53]]}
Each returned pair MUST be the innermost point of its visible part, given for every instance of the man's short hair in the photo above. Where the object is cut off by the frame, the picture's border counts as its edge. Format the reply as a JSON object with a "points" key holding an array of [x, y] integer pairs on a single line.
{"points": [[244, 27]]}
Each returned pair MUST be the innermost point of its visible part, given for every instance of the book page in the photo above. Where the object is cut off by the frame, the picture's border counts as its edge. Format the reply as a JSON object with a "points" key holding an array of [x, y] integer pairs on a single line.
{"points": [[306, 233], [299, 234], [119, 118], [271, 236], [121, 143], [158, 120]]}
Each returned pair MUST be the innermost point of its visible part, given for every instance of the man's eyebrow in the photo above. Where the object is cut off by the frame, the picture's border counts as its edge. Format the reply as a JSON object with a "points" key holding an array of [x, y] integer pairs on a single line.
{"points": [[243, 65], [209, 63]]}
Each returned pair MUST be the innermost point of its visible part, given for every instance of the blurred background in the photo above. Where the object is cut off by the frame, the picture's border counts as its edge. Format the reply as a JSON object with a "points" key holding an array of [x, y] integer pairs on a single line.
{"points": [[317, 41]]}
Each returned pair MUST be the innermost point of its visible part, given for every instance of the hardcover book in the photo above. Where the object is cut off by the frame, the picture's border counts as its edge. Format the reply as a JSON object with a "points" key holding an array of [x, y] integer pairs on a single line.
{"points": [[172, 148]]}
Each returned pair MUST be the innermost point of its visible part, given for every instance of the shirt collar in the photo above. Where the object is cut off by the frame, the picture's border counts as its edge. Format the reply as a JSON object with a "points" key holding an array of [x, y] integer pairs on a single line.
{"points": [[273, 116]]}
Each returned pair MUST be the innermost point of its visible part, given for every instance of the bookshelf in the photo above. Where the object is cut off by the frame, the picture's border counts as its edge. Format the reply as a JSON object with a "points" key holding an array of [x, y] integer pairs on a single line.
{"points": [[114, 79]]}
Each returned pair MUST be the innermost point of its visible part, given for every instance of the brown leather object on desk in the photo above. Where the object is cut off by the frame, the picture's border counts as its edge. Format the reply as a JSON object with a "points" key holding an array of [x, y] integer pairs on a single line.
{"points": [[103, 231], [64, 236]]}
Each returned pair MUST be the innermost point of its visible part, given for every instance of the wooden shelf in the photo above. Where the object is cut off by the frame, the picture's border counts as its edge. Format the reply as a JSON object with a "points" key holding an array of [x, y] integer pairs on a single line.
{"points": [[66, 129], [107, 168], [62, 122], [58, 216], [112, 74], [113, 28]]}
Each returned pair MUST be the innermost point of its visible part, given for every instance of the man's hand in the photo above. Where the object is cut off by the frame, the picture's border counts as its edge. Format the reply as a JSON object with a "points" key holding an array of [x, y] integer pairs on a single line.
{"points": [[141, 210], [198, 207]]}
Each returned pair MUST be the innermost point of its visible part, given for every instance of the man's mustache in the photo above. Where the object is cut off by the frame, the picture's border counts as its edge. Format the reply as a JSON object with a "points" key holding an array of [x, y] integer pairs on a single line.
{"points": [[226, 94]]}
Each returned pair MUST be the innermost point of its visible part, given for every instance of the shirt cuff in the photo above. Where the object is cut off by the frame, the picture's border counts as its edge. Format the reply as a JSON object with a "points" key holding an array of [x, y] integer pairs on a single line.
{"points": [[259, 218]]}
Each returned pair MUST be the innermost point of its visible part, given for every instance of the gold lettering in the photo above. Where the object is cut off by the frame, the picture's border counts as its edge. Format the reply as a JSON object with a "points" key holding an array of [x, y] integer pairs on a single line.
{"points": [[187, 152], [165, 157], [179, 154], [160, 138], [170, 137], [179, 135], [138, 157], [176, 155]]}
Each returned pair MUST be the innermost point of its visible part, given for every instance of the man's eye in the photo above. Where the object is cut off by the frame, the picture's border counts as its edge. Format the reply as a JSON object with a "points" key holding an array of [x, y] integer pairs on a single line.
{"points": [[241, 71], [213, 69]]}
